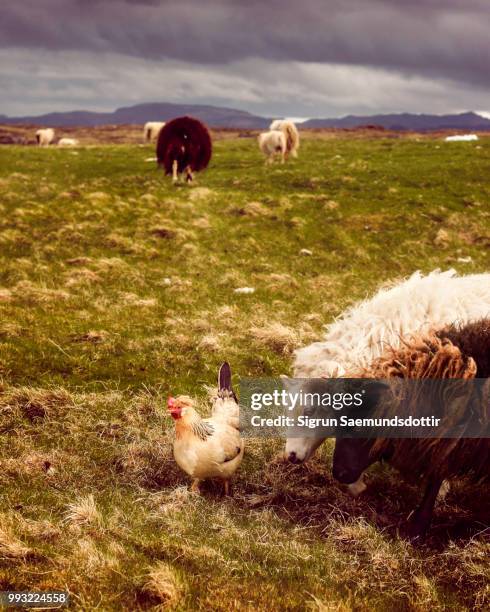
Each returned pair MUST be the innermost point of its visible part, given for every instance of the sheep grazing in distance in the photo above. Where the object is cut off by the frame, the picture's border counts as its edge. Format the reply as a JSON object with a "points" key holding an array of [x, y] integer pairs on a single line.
{"points": [[394, 314], [68, 142], [184, 145], [276, 124], [457, 352], [290, 132], [151, 130], [45, 137], [271, 144]]}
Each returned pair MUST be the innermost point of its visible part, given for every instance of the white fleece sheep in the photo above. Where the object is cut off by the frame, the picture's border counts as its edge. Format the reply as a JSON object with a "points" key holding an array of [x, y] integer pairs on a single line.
{"points": [[45, 137], [68, 142], [152, 129], [393, 314], [292, 135], [273, 143], [276, 124]]}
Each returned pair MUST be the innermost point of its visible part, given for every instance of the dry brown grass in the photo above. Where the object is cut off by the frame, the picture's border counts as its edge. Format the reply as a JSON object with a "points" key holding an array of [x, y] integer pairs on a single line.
{"points": [[83, 512], [11, 547], [34, 403], [276, 336], [28, 291], [150, 463], [164, 585]]}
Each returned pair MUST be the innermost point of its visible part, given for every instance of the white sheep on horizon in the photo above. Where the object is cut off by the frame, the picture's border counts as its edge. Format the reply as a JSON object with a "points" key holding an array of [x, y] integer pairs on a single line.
{"points": [[151, 130], [68, 142], [273, 143], [45, 137], [276, 124], [291, 132]]}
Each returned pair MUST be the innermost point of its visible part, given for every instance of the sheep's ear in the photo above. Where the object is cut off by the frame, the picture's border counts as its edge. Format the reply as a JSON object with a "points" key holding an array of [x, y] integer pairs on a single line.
{"points": [[224, 377]]}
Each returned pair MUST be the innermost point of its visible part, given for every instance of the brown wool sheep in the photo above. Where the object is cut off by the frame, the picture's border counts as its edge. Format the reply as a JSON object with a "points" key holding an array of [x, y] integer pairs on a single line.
{"points": [[184, 145], [454, 353]]}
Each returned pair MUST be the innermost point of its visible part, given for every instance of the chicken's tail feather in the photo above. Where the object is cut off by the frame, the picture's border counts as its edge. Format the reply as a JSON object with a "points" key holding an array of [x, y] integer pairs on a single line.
{"points": [[225, 388]]}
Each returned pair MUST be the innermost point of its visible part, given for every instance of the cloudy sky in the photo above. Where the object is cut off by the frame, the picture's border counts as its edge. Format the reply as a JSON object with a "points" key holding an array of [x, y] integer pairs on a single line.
{"points": [[273, 57]]}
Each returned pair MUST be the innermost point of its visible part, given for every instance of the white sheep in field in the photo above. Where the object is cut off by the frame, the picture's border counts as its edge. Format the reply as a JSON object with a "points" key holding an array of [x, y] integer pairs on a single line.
{"points": [[151, 130], [292, 135], [68, 142], [44, 137], [273, 143], [391, 316], [276, 124]]}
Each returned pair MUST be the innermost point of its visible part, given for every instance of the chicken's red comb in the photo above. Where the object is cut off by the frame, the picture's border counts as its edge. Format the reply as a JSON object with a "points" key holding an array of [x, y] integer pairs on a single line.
{"points": [[171, 402]]}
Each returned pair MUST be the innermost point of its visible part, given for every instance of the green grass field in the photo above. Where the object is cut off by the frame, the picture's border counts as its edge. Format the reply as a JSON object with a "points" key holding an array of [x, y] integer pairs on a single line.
{"points": [[117, 289]]}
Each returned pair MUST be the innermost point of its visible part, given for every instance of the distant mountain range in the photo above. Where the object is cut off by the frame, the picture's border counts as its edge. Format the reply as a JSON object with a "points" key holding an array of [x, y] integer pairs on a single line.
{"points": [[141, 113], [228, 117], [407, 121]]}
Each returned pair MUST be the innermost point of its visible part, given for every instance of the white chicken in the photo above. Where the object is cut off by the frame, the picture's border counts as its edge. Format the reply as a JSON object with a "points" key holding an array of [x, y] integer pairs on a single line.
{"points": [[208, 448]]}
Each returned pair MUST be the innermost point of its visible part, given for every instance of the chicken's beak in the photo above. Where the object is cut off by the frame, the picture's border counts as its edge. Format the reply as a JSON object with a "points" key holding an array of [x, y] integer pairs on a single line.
{"points": [[173, 408]]}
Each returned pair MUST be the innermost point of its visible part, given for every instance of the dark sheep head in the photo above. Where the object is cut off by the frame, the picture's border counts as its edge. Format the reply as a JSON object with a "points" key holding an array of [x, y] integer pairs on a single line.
{"points": [[352, 456]]}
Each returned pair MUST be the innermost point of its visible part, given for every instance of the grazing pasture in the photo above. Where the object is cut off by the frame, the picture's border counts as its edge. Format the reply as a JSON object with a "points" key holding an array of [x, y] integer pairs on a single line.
{"points": [[117, 289]]}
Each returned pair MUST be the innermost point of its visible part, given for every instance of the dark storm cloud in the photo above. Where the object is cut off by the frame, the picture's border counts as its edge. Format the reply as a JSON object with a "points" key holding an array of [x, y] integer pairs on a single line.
{"points": [[438, 38]]}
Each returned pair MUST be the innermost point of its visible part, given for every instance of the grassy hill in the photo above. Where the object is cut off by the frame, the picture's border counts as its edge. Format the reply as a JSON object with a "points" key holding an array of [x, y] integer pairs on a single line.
{"points": [[117, 288]]}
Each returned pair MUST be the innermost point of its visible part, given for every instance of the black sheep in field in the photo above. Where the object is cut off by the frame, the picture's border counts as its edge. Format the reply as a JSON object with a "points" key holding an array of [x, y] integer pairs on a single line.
{"points": [[454, 353], [184, 145]]}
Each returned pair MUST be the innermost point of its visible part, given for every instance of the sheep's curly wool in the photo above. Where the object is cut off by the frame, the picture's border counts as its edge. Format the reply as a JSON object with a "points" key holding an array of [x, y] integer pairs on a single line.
{"points": [[394, 313], [458, 353], [429, 357]]}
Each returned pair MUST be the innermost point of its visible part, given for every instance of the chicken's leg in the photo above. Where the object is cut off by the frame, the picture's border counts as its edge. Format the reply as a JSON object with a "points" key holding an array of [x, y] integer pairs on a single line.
{"points": [[226, 484], [195, 486]]}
